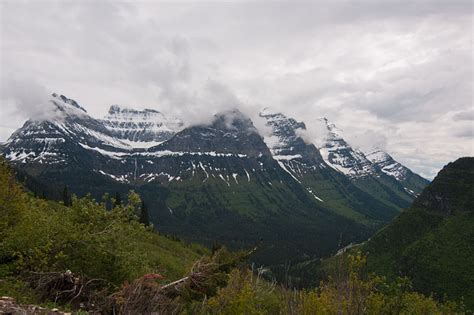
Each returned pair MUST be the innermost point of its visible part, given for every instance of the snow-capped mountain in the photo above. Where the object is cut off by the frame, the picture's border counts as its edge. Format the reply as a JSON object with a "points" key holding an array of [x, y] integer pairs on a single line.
{"points": [[51, 140], [229, 150], [221, 181], [131, 135], [412, 183], [374, 172], [341, 156], [283, 142], [323, 172], [357, 165], [143, 128], [292, 153], [60, 101], [387, 164]]}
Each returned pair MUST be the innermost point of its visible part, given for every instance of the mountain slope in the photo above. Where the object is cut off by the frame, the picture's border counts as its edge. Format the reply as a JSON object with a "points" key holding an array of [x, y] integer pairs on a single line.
{"points": [[224, 185], [97, 261], [341, 156], [412, 183], [66, 149], [369, 176], [42, 238], [205, 183], [305, 163], [432, 242], [221, 181]]}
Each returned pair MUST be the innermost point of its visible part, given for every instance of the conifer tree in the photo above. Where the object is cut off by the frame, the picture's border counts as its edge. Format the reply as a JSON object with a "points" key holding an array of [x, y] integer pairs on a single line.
{"points": [[144, 217], [118, 200], [67, 200]]}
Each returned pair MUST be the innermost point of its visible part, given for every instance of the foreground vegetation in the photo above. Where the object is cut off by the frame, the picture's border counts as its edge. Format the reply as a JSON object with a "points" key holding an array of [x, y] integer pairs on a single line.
{"points": [[350, 290], [105, 247], [98, 256]]}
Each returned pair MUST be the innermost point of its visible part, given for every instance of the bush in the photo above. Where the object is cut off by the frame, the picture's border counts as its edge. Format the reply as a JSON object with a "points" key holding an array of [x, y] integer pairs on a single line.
{"points": [[246, 293], [40, 237], [349, 290]]}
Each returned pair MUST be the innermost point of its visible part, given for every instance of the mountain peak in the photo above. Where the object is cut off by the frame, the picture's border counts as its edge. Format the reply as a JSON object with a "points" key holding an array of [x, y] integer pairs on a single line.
{"points": [[65, 100], [386, 163], [234, 119], [333, 132], [340, 155], [451, 190], [329, 125], [268, 111]]}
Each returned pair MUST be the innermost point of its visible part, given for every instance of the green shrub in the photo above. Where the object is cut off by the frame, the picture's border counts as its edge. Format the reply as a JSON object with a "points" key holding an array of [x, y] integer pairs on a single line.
{"points": [[349, 290], [40, 236]]}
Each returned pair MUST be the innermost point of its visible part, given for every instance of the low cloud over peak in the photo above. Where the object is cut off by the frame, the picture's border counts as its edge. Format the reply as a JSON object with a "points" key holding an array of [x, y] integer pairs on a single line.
{"points": [[398, 74]]}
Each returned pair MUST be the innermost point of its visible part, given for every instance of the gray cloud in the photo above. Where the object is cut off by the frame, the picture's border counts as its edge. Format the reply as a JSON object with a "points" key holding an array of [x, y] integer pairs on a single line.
{"points": [[466, 133], [24, 97], [398, 73], [464, 115]]}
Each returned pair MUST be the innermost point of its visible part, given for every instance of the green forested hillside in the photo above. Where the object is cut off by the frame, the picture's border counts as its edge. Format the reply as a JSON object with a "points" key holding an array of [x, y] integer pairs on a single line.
{"points": [[98, 257], [432, 243], [40, 236]]}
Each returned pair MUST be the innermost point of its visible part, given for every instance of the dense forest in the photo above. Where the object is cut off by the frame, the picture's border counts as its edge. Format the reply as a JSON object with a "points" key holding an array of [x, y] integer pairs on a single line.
{"points": [[93, 256], [432, 242]]}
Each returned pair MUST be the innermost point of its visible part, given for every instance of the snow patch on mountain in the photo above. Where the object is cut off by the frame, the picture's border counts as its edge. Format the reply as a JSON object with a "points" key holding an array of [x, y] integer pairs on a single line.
{"points": [[141, 144], [283, 134], [387, 164], [139, 126], [64, 107], [42, 157], [111, 154], [121, 178], [149, 136], [339, 155], [64, 100]]}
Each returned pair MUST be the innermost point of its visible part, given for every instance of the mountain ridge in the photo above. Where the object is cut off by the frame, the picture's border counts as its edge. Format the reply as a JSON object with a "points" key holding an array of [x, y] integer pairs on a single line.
{"points": [[199, 179], [431, 242]]}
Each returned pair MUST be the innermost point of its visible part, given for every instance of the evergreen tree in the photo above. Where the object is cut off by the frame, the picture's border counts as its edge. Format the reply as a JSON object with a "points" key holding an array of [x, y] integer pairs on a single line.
{"points": [[144, 217], [109, 203], [67, 200], [118, 200]]}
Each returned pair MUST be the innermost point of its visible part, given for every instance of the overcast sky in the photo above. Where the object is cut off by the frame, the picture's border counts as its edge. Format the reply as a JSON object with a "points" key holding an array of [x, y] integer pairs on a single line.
{"points": [[398, 74]]}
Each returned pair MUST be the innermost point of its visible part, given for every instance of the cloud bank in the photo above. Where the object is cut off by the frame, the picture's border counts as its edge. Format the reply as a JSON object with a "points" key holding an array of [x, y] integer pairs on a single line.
{"points": [[394, 73]]}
